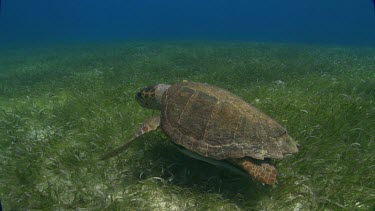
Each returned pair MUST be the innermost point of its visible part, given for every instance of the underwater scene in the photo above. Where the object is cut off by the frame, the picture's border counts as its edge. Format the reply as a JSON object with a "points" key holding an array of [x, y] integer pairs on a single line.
{"points": [[187, 105]]}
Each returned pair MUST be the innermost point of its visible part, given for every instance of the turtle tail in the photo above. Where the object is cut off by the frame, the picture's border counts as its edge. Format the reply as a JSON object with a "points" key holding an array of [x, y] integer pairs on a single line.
{"points": [[261, 170]]}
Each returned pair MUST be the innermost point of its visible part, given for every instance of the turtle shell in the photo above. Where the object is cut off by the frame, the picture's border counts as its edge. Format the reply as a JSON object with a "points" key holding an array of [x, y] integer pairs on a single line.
{"points": [[215, 123]]}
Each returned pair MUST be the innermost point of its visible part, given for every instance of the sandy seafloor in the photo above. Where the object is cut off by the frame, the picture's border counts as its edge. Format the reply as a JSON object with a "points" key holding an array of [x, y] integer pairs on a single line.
{"points": [[64, 106]]}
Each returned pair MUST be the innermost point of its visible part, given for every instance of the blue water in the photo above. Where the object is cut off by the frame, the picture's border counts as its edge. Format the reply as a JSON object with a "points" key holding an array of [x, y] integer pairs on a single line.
{"points": [[349, 22]]}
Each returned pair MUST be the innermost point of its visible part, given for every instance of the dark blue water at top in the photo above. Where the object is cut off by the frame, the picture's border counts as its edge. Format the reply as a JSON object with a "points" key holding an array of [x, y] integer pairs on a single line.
{"points": [[308, 21]]}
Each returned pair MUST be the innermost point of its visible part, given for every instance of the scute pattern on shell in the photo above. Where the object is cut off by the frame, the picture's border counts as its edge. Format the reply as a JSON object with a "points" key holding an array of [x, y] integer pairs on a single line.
{"points": [[215, 123]]}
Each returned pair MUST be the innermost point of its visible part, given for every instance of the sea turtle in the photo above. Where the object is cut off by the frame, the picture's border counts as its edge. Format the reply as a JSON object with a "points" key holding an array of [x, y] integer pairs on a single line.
{"points": [[214, 125]]}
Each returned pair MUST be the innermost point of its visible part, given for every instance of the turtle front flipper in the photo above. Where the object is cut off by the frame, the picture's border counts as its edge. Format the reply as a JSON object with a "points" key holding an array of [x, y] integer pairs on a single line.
{"points": [[149, 125], [261, 170]]}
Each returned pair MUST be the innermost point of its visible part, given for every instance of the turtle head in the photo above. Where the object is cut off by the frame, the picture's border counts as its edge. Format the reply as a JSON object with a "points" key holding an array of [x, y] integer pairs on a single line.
{"points": [[150, 96]]}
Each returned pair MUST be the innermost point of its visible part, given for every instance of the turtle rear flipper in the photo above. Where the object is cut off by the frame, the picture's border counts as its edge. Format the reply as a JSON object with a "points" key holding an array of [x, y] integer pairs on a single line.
{"points": [[149, 125], [261, 170]]}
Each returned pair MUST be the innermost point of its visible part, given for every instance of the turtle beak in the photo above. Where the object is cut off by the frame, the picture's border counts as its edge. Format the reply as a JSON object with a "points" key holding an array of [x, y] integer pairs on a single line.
{"points": [[139, 97]]}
